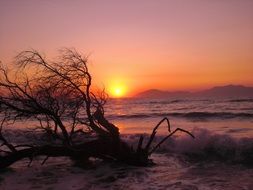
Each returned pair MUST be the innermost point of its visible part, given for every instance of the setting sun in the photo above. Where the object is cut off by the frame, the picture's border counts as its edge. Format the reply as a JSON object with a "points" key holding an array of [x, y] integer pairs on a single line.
{"points": [[117, 91]]}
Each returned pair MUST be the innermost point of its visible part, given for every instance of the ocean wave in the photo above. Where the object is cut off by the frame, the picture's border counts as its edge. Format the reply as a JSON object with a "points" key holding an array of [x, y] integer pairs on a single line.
{"points": [[163, 102], [188, 115], [222, 115], [206, 146], [241, 100]]}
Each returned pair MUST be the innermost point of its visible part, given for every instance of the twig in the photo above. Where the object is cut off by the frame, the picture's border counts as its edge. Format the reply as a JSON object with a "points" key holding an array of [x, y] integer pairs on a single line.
{"points": [[165, 138], [152, 136], [44, 161], [139, 147]]}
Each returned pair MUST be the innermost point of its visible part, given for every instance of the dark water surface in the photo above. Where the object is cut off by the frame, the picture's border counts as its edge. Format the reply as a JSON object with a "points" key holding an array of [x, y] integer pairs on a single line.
{"points": [[220, 156]]}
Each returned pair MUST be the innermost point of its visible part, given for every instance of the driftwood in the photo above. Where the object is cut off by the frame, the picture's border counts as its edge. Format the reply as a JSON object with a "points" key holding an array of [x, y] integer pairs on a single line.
{"points": [[56, 91]]}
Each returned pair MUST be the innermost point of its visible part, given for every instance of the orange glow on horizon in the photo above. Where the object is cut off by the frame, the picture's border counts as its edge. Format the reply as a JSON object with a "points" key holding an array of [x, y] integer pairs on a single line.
{"points": [[138, 45], [117, 91]]}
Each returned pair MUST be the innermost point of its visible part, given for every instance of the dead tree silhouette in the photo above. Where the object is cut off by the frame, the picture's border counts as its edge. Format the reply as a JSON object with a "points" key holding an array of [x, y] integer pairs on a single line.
{"points": [[57, 95]]}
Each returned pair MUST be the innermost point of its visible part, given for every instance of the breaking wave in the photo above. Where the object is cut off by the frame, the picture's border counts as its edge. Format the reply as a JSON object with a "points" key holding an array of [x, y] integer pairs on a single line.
{"points": [[206, 146]]}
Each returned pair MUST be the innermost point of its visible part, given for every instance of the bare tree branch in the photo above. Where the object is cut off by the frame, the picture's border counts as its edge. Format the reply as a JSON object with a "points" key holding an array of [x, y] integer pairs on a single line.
{"points": [[56, 95]]}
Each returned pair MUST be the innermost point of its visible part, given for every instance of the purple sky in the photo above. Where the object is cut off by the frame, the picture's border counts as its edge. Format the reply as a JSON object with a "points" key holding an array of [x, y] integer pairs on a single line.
{"points": [[166, 44]]}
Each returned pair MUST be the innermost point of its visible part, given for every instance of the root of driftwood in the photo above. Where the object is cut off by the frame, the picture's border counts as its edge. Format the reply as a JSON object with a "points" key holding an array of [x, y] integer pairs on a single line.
{"points": [[100, 148], [148, 149], [103, 148]]}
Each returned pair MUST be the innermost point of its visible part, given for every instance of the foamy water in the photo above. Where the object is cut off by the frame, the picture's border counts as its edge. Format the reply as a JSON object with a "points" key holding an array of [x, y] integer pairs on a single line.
{"points": [[220, 156]]}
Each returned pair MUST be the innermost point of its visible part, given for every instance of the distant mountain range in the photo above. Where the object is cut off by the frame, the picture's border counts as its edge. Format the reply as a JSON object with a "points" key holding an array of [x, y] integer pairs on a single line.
{"points": [[229, 91]]}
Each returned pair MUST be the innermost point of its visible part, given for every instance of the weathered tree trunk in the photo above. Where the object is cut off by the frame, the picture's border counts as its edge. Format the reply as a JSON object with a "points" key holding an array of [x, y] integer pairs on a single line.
{"points": [[105, 147], [102, 148]]}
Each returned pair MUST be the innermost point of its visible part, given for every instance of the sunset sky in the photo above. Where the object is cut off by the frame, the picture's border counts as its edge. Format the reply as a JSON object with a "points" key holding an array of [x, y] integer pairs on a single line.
{"points": [[139, 44]]}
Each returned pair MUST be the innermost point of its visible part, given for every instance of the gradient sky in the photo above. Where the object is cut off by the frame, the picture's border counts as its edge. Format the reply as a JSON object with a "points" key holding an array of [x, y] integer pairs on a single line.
{"points": [[139, 44]]}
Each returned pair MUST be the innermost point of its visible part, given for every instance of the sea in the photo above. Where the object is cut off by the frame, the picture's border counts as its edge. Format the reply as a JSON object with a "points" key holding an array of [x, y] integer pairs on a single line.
{"points": [[219, 157]]}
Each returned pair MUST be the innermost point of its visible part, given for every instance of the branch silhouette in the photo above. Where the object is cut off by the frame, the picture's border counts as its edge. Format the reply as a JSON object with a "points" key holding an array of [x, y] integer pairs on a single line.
{"points": [[57, 96]]}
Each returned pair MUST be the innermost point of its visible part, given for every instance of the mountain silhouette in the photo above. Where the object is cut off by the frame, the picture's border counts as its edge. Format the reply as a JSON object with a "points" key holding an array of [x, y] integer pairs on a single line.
{"points": [[228, 91]]}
